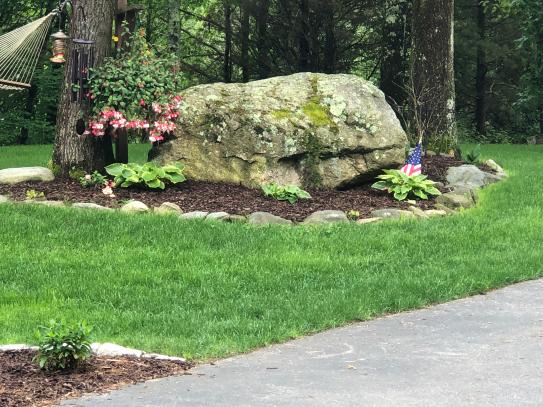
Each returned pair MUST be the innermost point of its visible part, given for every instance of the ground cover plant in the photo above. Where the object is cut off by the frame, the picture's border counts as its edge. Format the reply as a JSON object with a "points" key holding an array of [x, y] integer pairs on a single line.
{"points": [[208, 290]]}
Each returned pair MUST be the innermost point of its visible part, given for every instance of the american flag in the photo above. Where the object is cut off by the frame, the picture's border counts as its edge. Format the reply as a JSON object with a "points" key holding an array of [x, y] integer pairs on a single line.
{"points": [[413, 165]]}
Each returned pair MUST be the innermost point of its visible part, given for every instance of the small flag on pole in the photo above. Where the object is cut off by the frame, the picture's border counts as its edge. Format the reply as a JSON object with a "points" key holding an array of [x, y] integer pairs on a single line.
{"points": [[413, 165]]}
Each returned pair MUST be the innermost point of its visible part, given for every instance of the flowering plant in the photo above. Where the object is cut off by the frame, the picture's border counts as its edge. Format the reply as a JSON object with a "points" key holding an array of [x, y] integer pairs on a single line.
{"points": [[138, 90]]}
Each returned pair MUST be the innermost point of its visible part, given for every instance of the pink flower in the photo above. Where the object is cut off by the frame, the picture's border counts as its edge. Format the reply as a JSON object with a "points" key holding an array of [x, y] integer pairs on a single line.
{"points": [[142, 102]]}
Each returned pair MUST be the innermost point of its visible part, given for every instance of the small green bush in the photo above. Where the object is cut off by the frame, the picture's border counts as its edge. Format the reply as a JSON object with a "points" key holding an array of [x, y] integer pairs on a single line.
{"points": [[91, 180], [63, 346], [33, 195], [402, 185], [289, 193], [148, 174], [474, 155]]}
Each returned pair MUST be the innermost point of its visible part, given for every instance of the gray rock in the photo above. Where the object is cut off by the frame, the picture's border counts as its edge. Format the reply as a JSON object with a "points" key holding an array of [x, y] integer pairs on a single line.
{"points": [[44, 203], [218, 216], [322, 217], [454, 200], [435, 213], [237, 219], [194, 215], [17, 346], [162, 357], [111, 349], [496, 167], [305, 129], [366, 221], [24, 174], [4, 199], [419, 213], [265, 218], [90, 205], [441, 207], [469, 177], [168, 208], [135, 207], [392, 214]]}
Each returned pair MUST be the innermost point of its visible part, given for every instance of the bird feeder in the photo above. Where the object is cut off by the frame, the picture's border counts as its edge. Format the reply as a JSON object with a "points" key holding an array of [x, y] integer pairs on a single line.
{"points": [[59, 47], [82, 60]]}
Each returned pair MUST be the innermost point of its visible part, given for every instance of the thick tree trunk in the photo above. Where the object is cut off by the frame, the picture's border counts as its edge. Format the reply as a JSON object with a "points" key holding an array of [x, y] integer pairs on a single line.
{"points": [[263, 52], [244, 33], [303, 34], [432, 72], [227, 67], [394, 63], [91, 20], [330, 43], [480, 85]]}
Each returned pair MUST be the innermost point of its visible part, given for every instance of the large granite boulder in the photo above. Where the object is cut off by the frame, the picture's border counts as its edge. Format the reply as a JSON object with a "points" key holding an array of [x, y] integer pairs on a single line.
{"points": [[24, 174], [304, 129]]}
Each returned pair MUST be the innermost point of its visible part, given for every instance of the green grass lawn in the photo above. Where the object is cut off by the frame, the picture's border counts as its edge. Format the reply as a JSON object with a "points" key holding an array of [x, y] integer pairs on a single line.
{"points": [[39, 155], [209, 290]]}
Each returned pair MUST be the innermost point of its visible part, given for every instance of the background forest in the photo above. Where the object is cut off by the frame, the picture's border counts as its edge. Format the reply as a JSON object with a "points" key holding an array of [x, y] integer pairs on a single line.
{"points": [[498, 55]]}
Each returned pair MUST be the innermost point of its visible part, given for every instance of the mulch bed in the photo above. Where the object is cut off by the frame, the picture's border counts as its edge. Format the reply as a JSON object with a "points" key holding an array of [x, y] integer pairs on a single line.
{"points": [[235, 199], [22, 383]]}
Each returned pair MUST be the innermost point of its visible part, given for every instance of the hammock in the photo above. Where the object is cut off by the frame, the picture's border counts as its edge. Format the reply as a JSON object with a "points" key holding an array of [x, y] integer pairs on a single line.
{"points": [[19, 53]]}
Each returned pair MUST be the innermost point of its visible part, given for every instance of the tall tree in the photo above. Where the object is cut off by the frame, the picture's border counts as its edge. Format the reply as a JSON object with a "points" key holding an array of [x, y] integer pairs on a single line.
{"points": [[91, 20], [262, 43], [227, 62], [481, 71], [432, 72], [245, 30]]}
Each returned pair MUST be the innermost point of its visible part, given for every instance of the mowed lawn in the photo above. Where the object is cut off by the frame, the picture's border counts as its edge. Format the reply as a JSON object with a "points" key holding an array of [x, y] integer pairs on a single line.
{"points": [[208, 290]]}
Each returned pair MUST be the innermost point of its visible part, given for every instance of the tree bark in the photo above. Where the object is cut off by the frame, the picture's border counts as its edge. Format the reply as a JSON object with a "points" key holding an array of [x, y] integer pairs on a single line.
{"points": [[245, 29], [227, 67], [303, 34], [263, 52], [91, 20], [330, 42], [480, 85], [432, 72]]}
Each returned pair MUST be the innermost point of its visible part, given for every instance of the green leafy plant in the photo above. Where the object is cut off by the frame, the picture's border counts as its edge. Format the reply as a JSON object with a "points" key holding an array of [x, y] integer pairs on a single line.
{"points": [[90, 180], [148, 174], [403, 186], [63, 346], [33, 195], [353, 215], [473, 156], [288, 193], [76, 173]]}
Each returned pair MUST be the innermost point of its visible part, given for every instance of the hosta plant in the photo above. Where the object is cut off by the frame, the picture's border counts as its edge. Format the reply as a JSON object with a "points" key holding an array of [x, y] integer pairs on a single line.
{"points": [[63, 346], [148, 174], [403, 186], [288, 193]]}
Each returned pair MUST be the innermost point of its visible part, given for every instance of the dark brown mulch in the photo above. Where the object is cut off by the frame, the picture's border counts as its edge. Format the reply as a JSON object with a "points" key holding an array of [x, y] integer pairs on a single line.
{"points": [[235, 199], [22, 383]]}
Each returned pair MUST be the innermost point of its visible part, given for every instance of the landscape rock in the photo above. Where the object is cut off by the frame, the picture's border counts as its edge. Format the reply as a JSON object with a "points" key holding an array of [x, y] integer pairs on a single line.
{"points": [[306, 129], [168, 208], [4, 199], [435, 213], [44, 203], [469, 177], [17, 346], [322, 217], [162, 357], [90, 205], [217, 216], [454, 200], [135, 207], [194, 215], [391, 213], [237, 219], [265, 218], [25, 174], [111, 349], [419, 213], [495, 166], [441, 207], [366, 221]]}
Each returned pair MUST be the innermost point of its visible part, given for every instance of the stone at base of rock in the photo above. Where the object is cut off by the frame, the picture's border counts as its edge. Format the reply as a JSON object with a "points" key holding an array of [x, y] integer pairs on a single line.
{"points": [[4, 199], [454, 200], [435, 213], [135, 207], [322, 217], [237, 219], [392, 214], [265, 218], [217, 216], [111, 349], [441, 207], [25, 174], [90, 205], [366, 221], [44, 203], [194, 215], [419, 213], [168, 208]]}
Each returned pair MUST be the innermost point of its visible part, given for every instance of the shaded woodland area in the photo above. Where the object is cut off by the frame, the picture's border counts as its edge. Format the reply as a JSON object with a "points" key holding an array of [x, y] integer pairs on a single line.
{"points": [[497, 56]]}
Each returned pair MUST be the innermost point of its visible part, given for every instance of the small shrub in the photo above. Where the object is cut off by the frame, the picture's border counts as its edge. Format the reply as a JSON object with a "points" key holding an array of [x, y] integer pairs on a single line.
{"points": [[402, 185], [148, 174], [353, 215], [63, 346], [473, 156], [288, 193], [76, 173], [55, 168], [33, 195], [91, 180]]}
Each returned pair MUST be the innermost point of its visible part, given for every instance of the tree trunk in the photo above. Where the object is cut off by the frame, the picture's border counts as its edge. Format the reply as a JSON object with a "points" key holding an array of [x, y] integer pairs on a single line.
{"points": [[480, 85], [263, 52], [330, 43], [174, 25], [227, 67], [91, 20], [303, 33], [244, 32], [29, 109], [432, 72], [394, 66]]}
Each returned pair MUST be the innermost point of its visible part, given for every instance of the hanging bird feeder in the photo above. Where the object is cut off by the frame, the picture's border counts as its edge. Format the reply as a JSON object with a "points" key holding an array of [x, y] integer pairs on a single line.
{"points": [[59, 47], [82, 60]]}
